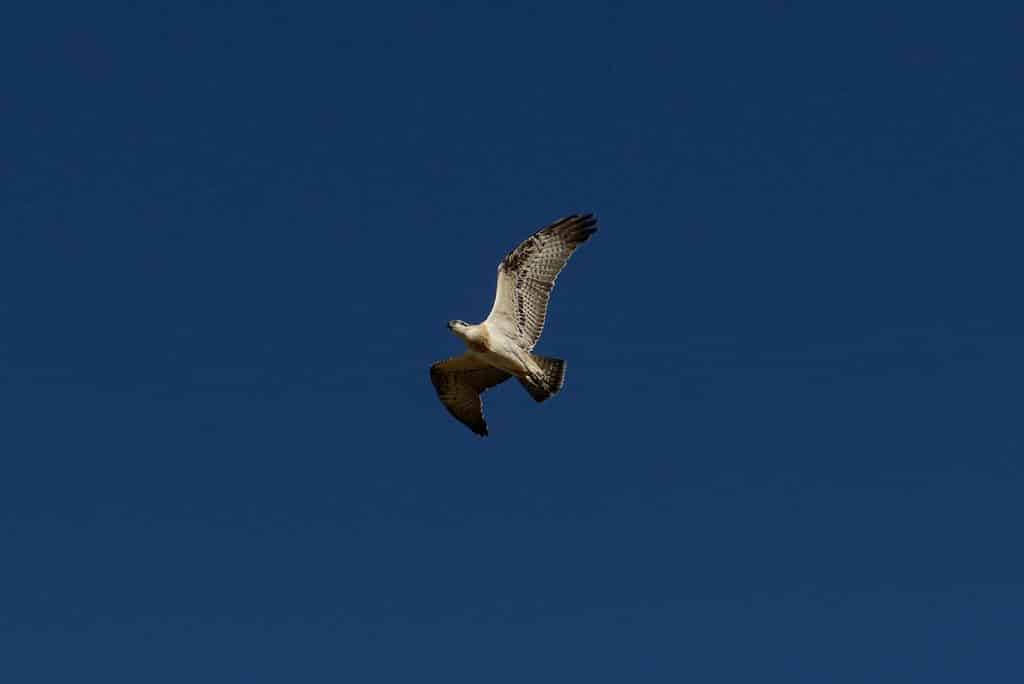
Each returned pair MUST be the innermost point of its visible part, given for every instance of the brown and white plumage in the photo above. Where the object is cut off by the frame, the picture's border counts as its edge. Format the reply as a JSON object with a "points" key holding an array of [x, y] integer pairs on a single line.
{"points": [[500, 347], [459, 382], [528, 273]]}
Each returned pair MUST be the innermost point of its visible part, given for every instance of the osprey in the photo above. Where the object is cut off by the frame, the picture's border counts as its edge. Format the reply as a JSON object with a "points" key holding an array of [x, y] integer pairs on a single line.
{"points": [[500, 347]]}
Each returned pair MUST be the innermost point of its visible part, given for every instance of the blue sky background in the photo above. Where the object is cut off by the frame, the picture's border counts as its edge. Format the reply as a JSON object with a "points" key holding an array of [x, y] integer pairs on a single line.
{"points": [[790, 444]]}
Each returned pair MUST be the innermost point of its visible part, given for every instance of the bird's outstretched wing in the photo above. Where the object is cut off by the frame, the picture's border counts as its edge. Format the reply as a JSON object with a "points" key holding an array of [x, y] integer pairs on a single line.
{"points": [[460, 382], [527, 274]]}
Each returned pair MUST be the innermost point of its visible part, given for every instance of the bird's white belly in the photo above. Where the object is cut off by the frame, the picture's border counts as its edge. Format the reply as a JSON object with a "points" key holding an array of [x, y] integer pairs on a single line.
{"points": [[509, 363]]}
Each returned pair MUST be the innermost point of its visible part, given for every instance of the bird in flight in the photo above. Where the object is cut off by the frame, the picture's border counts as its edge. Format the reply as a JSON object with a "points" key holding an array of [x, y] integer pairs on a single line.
{"points": [[501, 346]]}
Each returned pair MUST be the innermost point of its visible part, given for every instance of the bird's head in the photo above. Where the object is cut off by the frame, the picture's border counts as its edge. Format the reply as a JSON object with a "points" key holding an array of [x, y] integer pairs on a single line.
{"points": [[457, 326]]}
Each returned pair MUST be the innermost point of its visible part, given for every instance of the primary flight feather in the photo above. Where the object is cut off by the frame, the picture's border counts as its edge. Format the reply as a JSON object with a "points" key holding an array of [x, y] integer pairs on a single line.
{"points": [[501, 346]]}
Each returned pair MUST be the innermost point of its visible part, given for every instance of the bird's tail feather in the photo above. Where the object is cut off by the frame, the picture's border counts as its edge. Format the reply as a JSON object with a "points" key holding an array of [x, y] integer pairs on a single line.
{"points": [[549, 382]]}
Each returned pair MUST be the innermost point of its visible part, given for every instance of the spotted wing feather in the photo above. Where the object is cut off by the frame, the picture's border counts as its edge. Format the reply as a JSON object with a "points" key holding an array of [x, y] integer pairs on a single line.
{"points": [[528, 273], [459, 382]]}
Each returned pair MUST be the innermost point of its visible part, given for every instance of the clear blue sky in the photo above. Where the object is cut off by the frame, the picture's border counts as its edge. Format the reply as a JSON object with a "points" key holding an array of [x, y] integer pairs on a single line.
{"points": [[790, 445]]}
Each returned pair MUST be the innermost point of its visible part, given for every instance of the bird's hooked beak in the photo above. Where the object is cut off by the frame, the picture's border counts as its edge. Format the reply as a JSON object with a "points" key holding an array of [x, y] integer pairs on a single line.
{"points": [[449, 324]]}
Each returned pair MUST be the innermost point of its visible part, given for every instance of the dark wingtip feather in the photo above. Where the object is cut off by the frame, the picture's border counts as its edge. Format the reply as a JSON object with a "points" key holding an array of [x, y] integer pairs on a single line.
{"points": [[574, 229], [586, 225]]}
